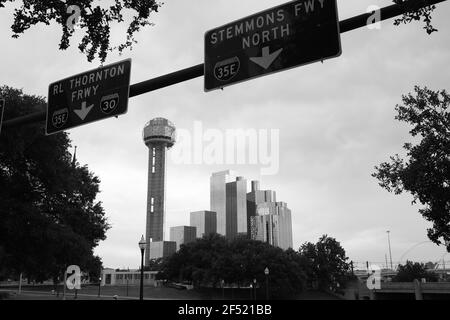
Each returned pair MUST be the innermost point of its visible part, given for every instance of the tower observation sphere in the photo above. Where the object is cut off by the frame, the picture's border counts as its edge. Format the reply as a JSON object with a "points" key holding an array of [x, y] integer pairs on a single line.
{"points": [[159, 131], [159, 135]]}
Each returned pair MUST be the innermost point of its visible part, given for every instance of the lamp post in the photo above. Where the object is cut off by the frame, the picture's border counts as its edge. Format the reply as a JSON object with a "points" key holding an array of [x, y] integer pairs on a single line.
{"points": [[223, 289], [254, 288], [266, 272], [99, 285], [20, 283], [142, 245], [127, 283]]}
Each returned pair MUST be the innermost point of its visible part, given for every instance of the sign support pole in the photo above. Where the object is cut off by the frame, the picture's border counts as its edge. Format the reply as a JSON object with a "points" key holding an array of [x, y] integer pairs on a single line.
{"points": [[196, 71]]}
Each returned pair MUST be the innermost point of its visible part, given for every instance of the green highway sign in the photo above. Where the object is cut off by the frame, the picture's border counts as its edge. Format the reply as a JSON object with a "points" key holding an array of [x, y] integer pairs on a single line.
{"points": [[87, 97], [287, 36], [2, 108]]}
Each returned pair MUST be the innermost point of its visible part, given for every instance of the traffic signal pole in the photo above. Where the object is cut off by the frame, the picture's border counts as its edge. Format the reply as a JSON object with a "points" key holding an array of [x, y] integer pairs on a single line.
{"points": [[198, 70]]}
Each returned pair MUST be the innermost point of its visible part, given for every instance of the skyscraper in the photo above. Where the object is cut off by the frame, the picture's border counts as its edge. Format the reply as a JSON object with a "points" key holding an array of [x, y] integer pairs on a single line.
{"points": [[272, 224], [161, 249], [158, 135], [256, 197], [236, 208], [183, 235], [205, 222], [218, 197]]}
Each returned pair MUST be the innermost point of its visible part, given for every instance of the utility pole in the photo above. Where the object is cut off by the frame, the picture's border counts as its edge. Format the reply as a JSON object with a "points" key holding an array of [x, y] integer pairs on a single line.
{"points": [[390, 252]]}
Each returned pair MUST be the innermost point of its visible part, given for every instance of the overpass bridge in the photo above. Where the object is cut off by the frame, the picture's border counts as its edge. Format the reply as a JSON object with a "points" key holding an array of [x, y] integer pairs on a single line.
{"points": [[409, 291]]}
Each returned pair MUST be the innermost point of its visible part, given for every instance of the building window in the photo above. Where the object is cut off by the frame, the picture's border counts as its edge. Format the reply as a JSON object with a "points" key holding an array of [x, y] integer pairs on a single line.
{"points": [[152, 205], [154, 161]]}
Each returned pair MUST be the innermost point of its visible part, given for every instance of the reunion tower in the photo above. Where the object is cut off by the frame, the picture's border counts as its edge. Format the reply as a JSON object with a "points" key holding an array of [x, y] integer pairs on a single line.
{"points": [[159, 135]]}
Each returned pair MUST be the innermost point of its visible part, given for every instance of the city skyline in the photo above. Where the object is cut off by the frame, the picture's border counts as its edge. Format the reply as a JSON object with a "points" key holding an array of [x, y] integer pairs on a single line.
{"points": [[251, 213], [336, 123]]}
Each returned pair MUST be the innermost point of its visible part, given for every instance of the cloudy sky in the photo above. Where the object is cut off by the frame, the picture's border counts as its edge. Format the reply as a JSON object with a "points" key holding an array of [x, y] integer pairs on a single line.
{"points": [[336, 122]]}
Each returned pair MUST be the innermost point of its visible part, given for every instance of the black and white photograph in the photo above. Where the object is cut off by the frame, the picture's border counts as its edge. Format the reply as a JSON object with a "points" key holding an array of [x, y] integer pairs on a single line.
{"points": [[224, 158]]}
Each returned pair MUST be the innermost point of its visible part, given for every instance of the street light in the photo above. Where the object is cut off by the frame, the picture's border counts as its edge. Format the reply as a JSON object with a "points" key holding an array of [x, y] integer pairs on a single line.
{"points": [[142, 245], [254, 288], [266, 272], [223, 289], [99, 285]]}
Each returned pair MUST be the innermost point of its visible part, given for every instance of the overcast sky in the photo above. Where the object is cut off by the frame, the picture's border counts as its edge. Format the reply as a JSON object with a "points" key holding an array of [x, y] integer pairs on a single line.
{"points": [[336, 122]]}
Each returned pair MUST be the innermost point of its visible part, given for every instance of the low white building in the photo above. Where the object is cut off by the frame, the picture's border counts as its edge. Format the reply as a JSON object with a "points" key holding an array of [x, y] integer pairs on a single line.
{"points": [[111, 277]]}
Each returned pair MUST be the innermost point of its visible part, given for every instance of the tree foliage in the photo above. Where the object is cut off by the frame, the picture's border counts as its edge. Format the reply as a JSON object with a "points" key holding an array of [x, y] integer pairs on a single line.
{"points": [[48, 211], [411, 271], [212, 259], [425, 172], [327, 263], [416, 11], [94, 20]]}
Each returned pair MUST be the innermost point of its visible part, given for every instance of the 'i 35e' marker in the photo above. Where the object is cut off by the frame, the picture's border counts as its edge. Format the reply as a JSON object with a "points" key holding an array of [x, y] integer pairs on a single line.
{"points": [[287, 36], [91, 96]]}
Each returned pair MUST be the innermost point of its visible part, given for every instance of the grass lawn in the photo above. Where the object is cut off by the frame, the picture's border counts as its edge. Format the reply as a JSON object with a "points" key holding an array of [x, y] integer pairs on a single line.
{"points": [[132, 292]]}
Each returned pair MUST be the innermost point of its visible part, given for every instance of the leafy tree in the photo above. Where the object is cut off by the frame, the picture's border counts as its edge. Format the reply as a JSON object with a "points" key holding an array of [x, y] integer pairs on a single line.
{"points": [[212, 259], [425, 173], [327, 263], [93, 267], [94, 20], [416, 13], [411, 271], [48, 213], [154, 265]]}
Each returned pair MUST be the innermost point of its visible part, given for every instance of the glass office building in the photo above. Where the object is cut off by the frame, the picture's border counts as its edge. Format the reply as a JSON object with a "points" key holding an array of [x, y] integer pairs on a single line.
{"points": [[183, 235], [218, 197], [205, 222]]}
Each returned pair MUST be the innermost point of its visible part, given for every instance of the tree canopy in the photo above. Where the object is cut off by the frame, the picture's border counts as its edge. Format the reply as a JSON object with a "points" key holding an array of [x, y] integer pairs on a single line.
{"points": [[412, 271], [208, 261], [414, 12], [94, 20], [425, 172], [48, 210], [214, 258], [327, 263]]}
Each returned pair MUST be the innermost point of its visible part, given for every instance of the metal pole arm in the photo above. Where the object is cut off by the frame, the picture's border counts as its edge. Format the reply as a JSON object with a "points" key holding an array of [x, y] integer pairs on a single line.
{"points": [[198, 70]]}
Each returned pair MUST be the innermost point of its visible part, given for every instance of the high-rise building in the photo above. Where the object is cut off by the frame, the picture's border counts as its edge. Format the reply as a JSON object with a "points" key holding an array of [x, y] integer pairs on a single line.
{"points": [[158, 135], [236, 208], [272, 224], [218, 197], [161, 249], [183, 235], [205, 222], [256, 197]]}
